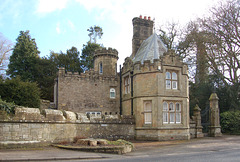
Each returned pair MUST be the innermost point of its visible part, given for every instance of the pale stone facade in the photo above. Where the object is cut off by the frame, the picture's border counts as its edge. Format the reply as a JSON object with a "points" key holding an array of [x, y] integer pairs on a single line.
{"points": [[152, 86]]}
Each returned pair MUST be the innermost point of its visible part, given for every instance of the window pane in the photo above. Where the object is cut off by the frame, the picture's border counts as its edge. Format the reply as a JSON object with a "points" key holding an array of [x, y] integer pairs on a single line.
{"points": [[178, 107], [148, 107], [112, 94], [174, 76], [165, 117], [172, 117], [171, 107], [165, 106], [168, 84], [178, 117], [100, 68], [168, 75], [148, 118], [174, 84]]}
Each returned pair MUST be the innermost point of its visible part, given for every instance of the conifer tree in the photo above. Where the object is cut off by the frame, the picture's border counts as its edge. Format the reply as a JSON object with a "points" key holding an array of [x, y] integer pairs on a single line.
{"points": [[24, 58]]}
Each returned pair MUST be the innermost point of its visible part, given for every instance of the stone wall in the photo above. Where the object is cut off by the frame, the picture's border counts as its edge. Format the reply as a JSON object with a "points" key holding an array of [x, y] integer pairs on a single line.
{"points": [[87, 92], [30, 126]]}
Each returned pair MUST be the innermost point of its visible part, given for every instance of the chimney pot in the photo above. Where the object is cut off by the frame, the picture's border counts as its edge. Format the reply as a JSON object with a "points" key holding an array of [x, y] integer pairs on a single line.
{"points": [[149, 18], [145, 17], [140, 16]]}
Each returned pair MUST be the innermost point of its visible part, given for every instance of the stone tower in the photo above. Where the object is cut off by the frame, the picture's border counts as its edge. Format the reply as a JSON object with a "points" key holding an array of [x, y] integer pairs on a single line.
{"points": [[142, 29], [105, 61]]}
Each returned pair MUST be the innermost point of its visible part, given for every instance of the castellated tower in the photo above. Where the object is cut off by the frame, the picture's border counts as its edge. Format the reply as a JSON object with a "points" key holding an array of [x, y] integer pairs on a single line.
{"points": [[105, 62], [142, 29]]}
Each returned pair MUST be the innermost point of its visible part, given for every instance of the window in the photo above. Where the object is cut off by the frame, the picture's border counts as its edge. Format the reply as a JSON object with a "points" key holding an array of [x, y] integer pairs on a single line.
{"points": [[112, 93], [100, 68], [147, 112], [93, 113], [127, 85], [171, 80], [171, 112]]}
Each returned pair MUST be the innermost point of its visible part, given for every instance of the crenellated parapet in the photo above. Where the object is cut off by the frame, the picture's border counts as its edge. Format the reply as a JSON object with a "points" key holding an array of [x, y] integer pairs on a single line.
{"points": [[89, 75], [127, 65], [147, 66], [106, 51]]}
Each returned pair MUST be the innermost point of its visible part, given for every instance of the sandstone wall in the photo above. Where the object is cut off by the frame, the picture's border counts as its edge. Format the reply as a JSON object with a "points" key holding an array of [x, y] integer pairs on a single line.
{"points": [[30, 126], [88, 92]]}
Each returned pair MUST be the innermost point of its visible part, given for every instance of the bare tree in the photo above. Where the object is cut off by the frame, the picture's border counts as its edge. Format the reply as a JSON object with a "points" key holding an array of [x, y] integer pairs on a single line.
{"points": [[5, 52], [223, 46], [169, 34]]}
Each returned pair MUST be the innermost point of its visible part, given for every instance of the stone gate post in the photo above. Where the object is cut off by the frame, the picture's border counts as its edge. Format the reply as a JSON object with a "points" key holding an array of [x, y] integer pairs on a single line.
{"points": [[197, 118], [214, 128]]}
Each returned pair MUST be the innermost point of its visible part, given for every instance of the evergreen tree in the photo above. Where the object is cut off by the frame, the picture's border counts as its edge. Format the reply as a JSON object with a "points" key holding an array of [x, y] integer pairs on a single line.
{"points": [[87, 55], [21, 93], [24, 58], [89, 49], [70, 60]]}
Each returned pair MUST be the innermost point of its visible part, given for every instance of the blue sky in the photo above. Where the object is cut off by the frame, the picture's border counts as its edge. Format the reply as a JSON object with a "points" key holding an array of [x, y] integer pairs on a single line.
{"points": [[57, 25]]}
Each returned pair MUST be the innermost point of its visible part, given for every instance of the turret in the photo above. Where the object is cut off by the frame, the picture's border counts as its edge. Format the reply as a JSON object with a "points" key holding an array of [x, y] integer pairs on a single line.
{"points": [[105, 61], [142, 29]]}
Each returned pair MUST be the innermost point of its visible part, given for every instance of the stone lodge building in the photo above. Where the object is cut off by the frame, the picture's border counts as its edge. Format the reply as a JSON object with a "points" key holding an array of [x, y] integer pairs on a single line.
{"points": [[152, 86]]}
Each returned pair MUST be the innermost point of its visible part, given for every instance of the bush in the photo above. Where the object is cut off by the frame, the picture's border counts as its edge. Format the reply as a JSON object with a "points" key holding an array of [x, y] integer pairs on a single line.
{"points": [[21, 93], [230, 122], [7, 106]]}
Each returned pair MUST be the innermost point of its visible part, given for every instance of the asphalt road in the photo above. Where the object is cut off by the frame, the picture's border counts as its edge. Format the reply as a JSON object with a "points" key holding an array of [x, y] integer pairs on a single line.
{"points": [[207, 149], [221, 149]]}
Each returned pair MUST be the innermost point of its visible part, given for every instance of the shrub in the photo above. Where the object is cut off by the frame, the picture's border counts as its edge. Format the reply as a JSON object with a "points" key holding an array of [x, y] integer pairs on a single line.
{"points": [[21, 93], [230, 122], [9, 107]]}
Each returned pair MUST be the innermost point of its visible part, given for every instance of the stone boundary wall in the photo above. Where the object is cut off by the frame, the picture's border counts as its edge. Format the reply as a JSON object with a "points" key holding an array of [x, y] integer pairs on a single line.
{"points": [[32, 126]]}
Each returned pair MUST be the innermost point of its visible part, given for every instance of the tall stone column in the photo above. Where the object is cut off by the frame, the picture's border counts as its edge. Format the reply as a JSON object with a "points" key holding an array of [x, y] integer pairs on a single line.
{"points": [[214, 128]]}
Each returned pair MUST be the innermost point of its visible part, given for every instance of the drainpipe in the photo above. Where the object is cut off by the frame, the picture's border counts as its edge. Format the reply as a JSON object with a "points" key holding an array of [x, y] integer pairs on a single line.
{"points": [[120, 73], [131, 92]]}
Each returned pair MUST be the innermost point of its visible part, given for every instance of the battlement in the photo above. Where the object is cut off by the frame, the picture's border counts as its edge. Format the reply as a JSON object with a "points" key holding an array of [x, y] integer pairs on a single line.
{"points": [[88, 75], [147, 66], [106, 51]]}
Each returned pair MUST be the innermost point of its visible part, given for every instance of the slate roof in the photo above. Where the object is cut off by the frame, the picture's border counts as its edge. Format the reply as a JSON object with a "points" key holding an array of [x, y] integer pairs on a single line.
{"points": [[150, 49]]}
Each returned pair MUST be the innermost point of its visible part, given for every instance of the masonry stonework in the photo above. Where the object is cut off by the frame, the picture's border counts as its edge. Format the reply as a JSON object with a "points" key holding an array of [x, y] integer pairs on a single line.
{"points": [[152, 86], [29, 126], [90, 91]]}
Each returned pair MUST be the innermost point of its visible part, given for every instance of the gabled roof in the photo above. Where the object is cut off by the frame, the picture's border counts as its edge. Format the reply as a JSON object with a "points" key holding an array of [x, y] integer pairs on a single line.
{"points": [[150, 49]]}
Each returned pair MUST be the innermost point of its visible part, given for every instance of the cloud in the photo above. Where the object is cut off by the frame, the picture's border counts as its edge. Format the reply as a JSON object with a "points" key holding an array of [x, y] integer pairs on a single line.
{"points": [[71, 25], [122, 12], [58, 28], [48, 6]]}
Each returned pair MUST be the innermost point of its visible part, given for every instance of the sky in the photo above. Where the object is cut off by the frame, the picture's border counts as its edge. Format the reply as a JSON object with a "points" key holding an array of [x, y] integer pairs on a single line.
{"points": [[57, 25]]}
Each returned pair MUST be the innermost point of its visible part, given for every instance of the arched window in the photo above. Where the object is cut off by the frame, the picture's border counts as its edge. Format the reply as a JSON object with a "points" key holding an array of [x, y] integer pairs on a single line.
{"points": [[100, 68], [171, 112], [165, 112], [174, 80], [147, 112], [178, 112], [112, 93], [171, 80]]}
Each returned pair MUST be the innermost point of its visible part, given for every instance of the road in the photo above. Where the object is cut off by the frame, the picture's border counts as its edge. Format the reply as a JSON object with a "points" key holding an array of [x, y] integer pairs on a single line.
{"points": [[207, 149], [221, 149]]}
